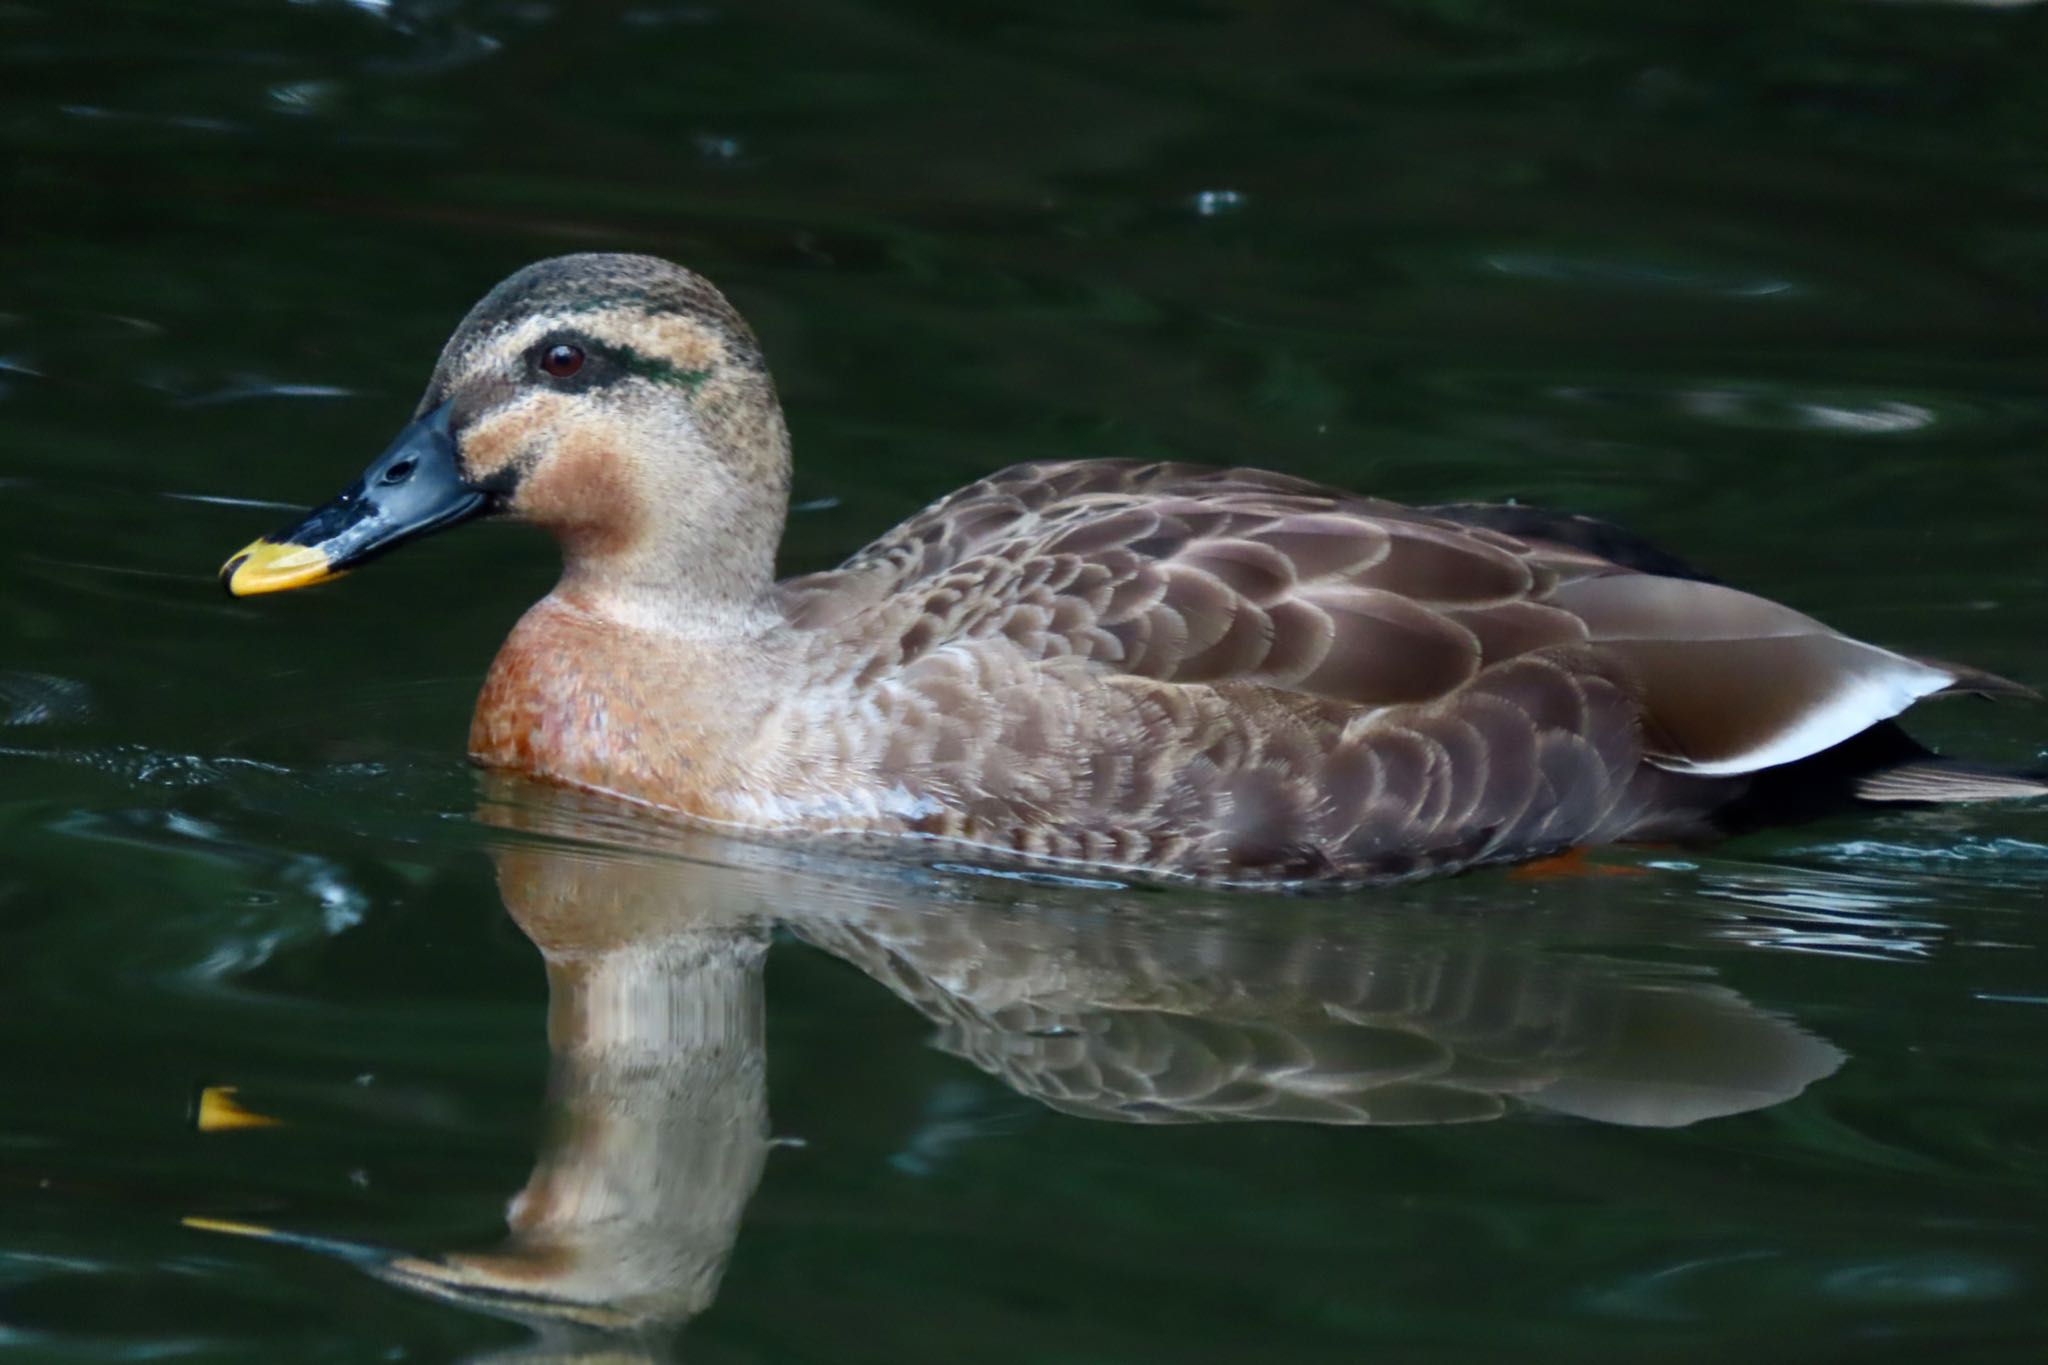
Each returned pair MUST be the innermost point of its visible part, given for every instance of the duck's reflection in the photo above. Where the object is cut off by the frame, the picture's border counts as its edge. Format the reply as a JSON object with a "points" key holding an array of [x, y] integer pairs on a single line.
{"points": [[658, 1089], [1093, 1005], [1366, 1023]]}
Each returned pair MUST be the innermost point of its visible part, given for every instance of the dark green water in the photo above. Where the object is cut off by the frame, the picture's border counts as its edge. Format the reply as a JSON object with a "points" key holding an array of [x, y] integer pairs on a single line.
{"points": [[1766, 281]]}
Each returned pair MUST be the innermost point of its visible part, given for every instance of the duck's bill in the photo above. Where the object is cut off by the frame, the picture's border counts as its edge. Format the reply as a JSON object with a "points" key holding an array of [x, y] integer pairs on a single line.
{"points": [[413, 488]]}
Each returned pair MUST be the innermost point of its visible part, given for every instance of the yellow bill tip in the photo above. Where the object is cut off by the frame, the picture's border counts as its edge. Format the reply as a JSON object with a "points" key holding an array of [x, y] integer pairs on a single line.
{"points": [[219, 1112], [266, 566]]}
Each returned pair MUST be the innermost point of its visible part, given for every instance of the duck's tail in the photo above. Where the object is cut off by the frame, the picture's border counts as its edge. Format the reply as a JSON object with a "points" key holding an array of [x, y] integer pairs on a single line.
{"points": [[1882, 766], [1938, 779], [1900, 769]]}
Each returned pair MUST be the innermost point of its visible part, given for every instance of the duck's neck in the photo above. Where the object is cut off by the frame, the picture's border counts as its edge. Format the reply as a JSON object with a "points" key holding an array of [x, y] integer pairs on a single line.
{"points": [[685, 545], [648, 670], [706, 609], [705, 572]]}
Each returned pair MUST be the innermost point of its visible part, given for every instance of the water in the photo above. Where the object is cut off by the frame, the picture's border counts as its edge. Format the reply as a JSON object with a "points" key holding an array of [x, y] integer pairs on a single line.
{"points": [[1764, 281]]}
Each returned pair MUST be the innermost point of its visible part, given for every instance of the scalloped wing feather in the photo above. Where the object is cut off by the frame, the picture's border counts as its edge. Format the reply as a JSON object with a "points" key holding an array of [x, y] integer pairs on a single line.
{"points": [[1187, 575], [1300, 675]]}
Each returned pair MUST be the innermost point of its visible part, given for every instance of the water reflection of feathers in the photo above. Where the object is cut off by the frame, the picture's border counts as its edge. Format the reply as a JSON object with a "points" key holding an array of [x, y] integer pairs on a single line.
{"points": [[1353, 1029], [1105, 1009]]}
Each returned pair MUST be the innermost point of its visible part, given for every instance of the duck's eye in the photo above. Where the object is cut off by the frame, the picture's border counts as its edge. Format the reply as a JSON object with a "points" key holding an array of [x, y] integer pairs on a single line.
{"points": [[561, 360]]}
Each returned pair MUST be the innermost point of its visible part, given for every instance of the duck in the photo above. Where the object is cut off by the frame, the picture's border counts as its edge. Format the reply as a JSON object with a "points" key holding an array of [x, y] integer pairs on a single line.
{"points": [[1167, 670]]}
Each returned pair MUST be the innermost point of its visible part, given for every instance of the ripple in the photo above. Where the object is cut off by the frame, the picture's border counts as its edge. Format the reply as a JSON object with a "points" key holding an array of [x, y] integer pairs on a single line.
{"points": [[1216, 203], [243, 390], [717, 147], [1830, 913], [447, 52], [222, 500], [1699, 1289], [666, 16], [1564, 269], [143, 766], [42, 699], [222, 939], [193, 123], [306, 98], [1971, 850], [1760, 408], [1926, 1277], [1978, 860], [1030, 876]]}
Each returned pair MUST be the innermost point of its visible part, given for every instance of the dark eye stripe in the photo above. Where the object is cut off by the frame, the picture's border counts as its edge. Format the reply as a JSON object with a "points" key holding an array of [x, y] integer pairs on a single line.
{"points": [[657, 371], [575, 362]]}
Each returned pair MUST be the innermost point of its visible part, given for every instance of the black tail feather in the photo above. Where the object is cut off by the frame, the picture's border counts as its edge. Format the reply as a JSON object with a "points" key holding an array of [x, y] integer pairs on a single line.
{"points": [[1881, 766]]}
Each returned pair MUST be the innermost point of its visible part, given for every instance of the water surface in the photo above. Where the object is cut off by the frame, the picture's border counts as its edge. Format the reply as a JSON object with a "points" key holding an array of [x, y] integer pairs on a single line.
{"points": [[1763, 281]]}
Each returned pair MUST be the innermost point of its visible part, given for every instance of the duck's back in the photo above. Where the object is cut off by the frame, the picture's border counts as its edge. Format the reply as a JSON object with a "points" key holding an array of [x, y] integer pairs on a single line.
{"points": [[1230, 673]]}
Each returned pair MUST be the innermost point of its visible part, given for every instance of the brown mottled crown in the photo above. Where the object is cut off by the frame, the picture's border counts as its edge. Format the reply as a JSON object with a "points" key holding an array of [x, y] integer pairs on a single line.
{"points": [[597, 281]]}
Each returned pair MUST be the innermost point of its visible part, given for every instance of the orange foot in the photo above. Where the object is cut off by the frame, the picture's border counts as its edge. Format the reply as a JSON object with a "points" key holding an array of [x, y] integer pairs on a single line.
{"points": [[1569, 864]]}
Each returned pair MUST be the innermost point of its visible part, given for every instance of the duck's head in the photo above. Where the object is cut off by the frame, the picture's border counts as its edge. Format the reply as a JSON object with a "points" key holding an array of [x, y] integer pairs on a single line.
{"points": [[619, 401]]}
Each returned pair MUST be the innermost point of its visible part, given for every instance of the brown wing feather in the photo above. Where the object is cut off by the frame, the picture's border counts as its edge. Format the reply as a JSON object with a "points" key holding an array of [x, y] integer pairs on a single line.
{"points": [[1196, 575], [1241, 574], [1309, 675]]}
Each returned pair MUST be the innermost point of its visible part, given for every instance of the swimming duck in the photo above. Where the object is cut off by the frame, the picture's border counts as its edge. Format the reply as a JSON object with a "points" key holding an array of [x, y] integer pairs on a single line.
{"points": [[1219, 674]]}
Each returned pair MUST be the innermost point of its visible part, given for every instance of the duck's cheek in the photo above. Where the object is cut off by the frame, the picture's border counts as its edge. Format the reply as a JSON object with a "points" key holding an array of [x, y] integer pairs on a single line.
{"points": [[586, 492], [500, 445]]}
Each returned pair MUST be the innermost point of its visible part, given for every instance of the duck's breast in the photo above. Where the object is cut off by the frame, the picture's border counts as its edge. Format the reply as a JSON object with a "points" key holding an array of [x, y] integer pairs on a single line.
{"points": [[585, 702]]}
